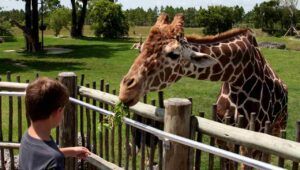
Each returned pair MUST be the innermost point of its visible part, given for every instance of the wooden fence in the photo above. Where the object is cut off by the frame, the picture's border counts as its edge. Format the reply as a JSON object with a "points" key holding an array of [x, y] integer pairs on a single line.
{"points": [[114, 144]]}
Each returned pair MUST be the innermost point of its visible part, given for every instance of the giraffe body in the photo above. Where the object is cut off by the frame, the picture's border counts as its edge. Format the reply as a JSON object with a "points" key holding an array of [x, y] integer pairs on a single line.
{"points": [[249, 83]]}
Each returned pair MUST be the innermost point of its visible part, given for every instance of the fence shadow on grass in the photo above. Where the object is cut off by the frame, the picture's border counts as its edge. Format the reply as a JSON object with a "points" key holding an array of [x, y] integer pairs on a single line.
{"points": [[26, 65], [82, 51]]}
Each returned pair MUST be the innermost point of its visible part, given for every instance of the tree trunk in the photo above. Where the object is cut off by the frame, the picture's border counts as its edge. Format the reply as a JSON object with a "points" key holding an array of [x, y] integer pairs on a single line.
{"points": [[35, 26], [74, 20], [82, 18], [28, 23], [78, 21]]}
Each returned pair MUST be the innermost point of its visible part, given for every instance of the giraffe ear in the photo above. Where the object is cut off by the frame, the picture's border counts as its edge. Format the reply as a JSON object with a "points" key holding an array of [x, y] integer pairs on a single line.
{"points": [[162, 19], [202, 59], [177, 24]]}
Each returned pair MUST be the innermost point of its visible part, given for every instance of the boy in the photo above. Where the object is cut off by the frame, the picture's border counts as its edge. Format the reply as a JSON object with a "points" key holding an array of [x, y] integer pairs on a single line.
{"points": [[45, 100]]}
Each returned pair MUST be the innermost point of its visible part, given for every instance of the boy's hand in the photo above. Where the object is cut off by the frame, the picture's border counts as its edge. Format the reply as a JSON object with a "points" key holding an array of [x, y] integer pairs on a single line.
{"points": [[80, 152], [77, 151]]}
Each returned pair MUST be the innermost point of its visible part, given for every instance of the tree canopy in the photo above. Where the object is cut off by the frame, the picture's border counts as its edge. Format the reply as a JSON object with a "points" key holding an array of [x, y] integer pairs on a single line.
{"points": [[107, 19]]}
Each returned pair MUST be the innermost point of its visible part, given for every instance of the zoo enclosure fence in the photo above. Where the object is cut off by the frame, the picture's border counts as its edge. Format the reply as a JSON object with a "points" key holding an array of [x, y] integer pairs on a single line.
{"points": [[199, 127]]}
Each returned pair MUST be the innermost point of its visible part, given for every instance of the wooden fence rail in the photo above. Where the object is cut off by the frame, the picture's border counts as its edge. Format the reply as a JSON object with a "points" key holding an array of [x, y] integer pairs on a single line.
{"points": [[259, 141]]}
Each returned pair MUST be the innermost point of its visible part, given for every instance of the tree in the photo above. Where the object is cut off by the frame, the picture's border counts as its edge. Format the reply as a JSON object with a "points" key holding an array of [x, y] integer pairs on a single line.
{"points": [[218, 19], [108, 19], [190, 17], [31, 28], [58, 19], [79, 10]]}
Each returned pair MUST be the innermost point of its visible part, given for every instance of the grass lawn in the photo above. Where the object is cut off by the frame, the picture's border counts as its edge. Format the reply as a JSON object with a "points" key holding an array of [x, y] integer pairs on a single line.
{"points": [[111, 59]]}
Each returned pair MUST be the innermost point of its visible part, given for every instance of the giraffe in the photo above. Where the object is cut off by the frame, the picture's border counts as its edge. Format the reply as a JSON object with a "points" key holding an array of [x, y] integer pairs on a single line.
{"points": [[249, 83]]}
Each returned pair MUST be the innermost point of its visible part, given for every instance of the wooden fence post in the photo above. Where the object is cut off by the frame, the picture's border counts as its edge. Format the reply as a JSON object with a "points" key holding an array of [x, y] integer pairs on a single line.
{"points": [[177, 121], [68, 127]]}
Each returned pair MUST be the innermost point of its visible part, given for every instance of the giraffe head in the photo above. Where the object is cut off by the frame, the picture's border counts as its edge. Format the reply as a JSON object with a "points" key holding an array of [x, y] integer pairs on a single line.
{"points": [[164, 58]]}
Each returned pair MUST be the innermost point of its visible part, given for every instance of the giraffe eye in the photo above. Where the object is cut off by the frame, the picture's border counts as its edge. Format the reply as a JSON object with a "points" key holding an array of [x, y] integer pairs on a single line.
{"points": [[173, 56]]}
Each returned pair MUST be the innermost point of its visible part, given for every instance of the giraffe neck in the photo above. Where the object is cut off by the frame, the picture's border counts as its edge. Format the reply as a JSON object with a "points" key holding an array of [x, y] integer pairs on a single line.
{"points": [[234, 55]]}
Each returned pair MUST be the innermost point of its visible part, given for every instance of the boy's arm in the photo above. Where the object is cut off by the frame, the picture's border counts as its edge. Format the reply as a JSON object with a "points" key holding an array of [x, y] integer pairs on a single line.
{"points": [[78, 152]]}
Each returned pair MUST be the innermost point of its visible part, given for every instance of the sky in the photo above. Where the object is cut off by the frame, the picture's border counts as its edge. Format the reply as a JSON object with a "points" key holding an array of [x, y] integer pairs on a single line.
{"points": [[129, 4]]}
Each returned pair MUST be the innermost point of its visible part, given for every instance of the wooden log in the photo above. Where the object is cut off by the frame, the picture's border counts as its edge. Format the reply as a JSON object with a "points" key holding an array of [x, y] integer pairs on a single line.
{"points": [[225, 163], [100, 163], [198, 152], [140, 108], [11, 145], [265, 156], [127, 137], [296, 164], [258, 141], [106, 131], [280, 159], [101, 122], [10, 124], [240, 124], [193, 130], [1, 133], [133, 144], [178, 111], [94, 125], [152, 146], [112, 139], [160, 143], [10, 112], [10, 86], [27, 117], [252, 121], [68, 126], [81, 110], [120, 142], [37, 75], [143, 142], [19, 114], [88, 122], [212, 139]]}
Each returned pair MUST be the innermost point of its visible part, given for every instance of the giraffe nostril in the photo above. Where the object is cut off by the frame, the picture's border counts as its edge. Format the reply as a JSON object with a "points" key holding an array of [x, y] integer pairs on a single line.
{"points": [[129, 82]]}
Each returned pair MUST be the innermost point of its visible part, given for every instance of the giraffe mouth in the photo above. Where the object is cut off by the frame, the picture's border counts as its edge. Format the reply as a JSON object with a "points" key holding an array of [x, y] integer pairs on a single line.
{"points": [[130, 102]]}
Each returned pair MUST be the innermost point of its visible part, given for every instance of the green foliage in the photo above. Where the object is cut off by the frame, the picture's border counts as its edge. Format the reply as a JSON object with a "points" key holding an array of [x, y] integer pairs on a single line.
{"points": [[218, 19], [107, 19], [120, 111], [17, 15], [59, 19], [5, 26], [273, 17]]}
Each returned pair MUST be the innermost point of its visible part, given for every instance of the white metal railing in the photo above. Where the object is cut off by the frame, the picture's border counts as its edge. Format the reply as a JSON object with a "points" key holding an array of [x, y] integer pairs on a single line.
{"points": [[171, 137]]}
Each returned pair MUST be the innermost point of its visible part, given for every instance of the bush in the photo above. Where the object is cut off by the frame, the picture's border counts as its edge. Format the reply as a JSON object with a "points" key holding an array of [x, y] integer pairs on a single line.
{"points": [[59, 19], [5, 27], [108, 19]]}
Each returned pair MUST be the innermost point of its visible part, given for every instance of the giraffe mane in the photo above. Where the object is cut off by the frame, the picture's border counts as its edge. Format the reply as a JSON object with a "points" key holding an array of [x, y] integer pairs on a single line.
{"points": [[218, 37]]}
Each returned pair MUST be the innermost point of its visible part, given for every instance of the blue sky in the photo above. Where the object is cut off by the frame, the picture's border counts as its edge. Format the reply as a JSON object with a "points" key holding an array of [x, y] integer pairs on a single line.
{"points": [[127, 4]]}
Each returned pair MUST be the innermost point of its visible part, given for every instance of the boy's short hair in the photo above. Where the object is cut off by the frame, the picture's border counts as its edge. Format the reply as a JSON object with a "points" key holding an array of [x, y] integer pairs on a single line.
{"points": [[43, 96]]}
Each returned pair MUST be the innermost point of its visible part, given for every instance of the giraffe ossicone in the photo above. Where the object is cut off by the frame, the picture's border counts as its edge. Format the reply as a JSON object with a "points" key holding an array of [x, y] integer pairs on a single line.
{"points": [[249, 83]]}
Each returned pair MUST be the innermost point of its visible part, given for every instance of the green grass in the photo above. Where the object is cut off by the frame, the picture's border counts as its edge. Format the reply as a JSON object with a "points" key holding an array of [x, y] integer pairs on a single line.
{"points": [[111, 59]]}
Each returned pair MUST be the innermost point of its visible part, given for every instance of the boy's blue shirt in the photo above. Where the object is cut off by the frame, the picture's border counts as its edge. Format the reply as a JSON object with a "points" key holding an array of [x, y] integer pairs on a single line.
{"points": [[37, 154]]}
